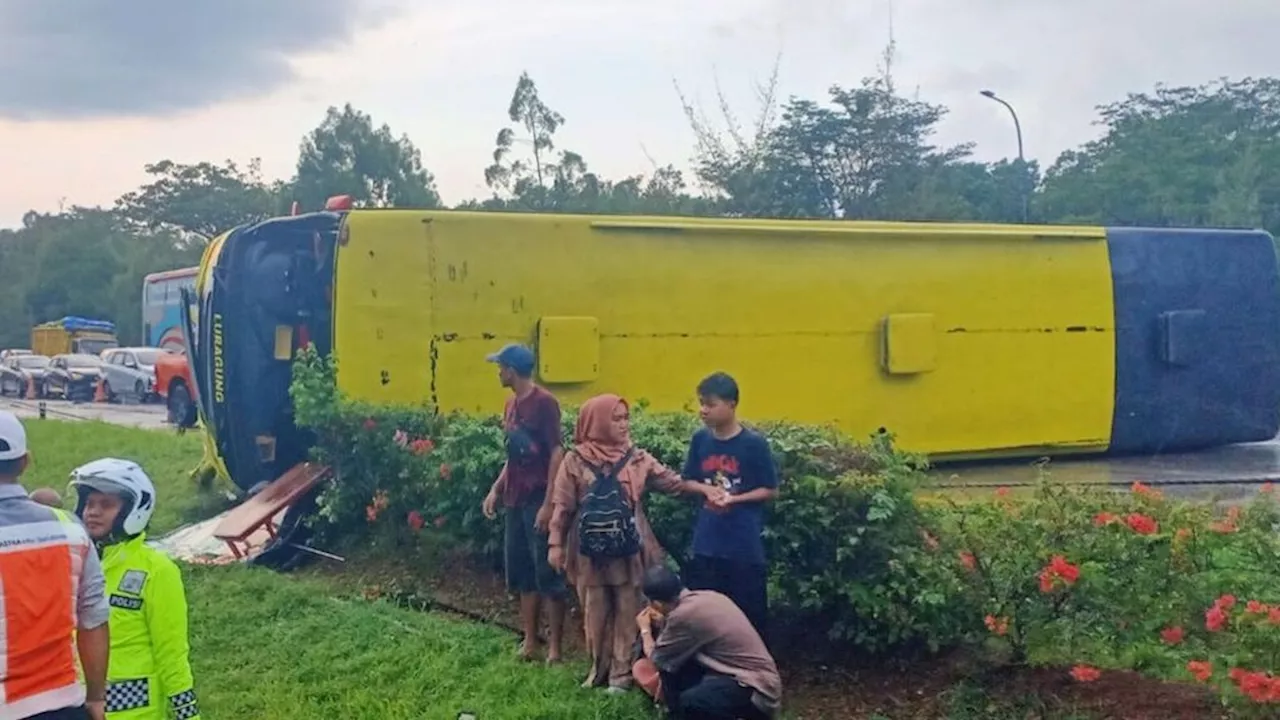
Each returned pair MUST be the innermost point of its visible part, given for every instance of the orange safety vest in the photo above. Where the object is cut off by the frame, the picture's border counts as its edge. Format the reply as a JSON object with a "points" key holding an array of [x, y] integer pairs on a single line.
{"points": [[42, 553]]}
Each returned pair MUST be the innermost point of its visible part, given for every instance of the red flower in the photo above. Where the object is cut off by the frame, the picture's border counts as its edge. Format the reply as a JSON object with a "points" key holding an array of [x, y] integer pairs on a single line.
{"points": [[1182, 534], [1002, 492], [1201, 670], [969, 562], [422, 446], [440, 521], [1273, 616], [371, 513], [445, 471], [1171, 635], [1253, 607], [1104, 518], [1058, 569], [1142, 524], [997, 625], [1215, 619], [415, 520], [1228, 524], [1226, 602], [370, 423], [1084, 673], [1146, 491], [1258, 686]]}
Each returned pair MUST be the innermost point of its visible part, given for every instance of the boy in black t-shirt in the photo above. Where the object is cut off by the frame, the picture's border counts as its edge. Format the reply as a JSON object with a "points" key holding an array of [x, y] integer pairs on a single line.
{"points": [[728, 544]]}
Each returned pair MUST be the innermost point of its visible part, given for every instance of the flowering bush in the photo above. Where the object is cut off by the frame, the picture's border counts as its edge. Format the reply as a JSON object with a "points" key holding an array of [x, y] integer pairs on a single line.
{"points": [[848, 545], [1089, 580], [1127, 581]]}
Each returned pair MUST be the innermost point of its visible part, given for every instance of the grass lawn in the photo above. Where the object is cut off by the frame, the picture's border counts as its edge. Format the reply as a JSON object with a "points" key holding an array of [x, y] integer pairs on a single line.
{"points": [[57, 447], [268, 647]]}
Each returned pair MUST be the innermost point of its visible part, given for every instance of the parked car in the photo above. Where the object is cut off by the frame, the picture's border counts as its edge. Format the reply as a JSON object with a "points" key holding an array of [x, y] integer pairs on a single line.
{"points": [[17, 372], [72, 377], [130, 371], [10, 352], [176, 387]]}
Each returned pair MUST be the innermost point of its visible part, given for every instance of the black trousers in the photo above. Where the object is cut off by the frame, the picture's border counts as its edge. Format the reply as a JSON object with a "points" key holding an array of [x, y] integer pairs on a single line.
{"points": [[75, 713], [692, 693], [746, 584]]}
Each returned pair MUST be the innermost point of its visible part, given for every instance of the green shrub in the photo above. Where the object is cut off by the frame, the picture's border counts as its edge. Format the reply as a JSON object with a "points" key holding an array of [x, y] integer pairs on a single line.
{"points": [[1129, 581], [845, 537], [1099, 579]]}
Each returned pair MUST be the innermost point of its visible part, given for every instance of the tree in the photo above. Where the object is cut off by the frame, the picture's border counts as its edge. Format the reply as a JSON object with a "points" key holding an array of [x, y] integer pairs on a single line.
{"points": [[347, 155], [85, 261], [1188, 156], [865, 155], [203, 199], [529, 181]]}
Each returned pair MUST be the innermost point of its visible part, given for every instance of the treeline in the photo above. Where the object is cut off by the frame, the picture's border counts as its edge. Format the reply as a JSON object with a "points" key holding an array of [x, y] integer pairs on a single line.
{"points": [[1187, 156]]}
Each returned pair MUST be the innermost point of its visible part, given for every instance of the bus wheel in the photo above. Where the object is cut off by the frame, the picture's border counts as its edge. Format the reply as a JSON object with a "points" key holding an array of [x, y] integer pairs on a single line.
{"points": [[182, 412]]}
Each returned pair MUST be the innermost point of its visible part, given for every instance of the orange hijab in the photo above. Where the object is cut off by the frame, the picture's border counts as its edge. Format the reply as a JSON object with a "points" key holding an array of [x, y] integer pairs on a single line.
{"points": [[595, 438]]}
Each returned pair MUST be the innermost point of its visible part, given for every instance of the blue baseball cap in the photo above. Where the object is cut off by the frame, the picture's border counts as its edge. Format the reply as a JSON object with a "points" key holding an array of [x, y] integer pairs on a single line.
{"points": [[515, 356]]}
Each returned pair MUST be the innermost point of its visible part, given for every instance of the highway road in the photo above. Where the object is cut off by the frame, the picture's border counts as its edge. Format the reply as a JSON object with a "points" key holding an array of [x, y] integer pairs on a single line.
{"points": [[1228, 473], [152, 417]]}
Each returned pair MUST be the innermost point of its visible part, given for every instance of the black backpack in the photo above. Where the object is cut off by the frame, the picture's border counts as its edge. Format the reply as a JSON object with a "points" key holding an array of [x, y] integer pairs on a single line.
{"points": [[606, 520]]}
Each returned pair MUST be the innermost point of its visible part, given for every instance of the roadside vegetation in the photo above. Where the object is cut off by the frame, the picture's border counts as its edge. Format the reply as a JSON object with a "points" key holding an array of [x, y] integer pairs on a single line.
{"points": [[1064, 603], [58, 447], [1083, 582], [272, 647]]}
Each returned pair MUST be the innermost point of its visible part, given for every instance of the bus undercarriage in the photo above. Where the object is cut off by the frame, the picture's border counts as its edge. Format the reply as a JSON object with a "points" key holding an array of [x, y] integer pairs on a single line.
{"points": [[268, 294]]}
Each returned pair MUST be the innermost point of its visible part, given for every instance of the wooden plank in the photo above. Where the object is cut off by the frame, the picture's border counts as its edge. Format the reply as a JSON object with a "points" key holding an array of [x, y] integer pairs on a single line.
{"points": [[282, 492]]}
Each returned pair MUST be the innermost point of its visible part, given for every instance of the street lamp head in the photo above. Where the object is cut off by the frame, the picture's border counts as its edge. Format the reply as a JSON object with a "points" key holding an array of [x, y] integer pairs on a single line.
{"points": [[988, 93]]}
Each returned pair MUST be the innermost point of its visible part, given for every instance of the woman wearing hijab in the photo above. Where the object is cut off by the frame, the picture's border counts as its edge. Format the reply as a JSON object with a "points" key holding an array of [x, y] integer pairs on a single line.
{"points": [[609, 589]]}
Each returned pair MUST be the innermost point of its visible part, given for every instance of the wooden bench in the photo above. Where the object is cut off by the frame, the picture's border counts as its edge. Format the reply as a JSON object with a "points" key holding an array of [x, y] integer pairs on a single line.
{"points": [[259, 512]]}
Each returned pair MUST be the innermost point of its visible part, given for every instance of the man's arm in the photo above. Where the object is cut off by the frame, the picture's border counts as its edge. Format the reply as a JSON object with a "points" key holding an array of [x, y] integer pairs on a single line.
{"points": [[166, 613], [675, 646], [551, 435], [763, 479], [501, 483], [553, 472], [93, 639], [94, 648]]}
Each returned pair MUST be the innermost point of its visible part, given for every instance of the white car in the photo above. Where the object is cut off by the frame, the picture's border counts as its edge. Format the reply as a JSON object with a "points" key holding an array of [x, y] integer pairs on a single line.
{"points": [[130, 372]]}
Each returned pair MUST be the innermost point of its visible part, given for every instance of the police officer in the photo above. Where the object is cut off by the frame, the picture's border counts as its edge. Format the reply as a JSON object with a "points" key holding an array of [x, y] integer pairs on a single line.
{"points": [[149, 676]]}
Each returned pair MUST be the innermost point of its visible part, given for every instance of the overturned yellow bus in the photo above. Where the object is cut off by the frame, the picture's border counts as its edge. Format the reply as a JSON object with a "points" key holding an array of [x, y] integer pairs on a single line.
{"points": [[963, 340]]}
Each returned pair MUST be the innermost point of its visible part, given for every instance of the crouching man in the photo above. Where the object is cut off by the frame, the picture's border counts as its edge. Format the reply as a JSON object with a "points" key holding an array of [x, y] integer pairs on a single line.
{"points": [[711, 661]]}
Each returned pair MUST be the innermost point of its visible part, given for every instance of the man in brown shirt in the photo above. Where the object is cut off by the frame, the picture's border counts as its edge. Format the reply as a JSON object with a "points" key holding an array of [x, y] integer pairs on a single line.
{"points": [[531, 421], [713, 663]]}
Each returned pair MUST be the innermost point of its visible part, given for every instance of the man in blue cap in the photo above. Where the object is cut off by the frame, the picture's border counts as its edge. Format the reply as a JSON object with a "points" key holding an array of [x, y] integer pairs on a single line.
{"points": [[531, 421]]}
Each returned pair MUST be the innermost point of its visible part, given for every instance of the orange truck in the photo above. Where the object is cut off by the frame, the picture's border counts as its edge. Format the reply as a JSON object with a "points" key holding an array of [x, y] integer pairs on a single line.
{"points": [[175, 386]]}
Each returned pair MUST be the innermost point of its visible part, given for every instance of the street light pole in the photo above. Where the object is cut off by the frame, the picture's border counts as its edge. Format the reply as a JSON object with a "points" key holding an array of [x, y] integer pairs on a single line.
{"points": [[1022, 160]]}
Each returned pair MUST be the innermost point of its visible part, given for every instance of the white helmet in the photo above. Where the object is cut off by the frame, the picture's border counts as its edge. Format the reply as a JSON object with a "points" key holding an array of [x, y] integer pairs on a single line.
{"points": [[118, 477]]}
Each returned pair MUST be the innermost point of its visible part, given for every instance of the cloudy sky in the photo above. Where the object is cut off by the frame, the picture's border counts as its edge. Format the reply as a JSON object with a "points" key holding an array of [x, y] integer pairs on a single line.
{"points": [[91, 90]]}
